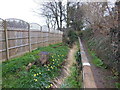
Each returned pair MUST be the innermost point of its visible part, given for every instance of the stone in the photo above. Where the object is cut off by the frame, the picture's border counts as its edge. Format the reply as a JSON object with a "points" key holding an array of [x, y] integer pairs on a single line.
{"points": [[44, 56]]}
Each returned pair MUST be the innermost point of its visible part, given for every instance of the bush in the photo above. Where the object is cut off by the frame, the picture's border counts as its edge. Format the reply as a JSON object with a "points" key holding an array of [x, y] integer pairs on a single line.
{"points": [[102, 47], [70, 38]]}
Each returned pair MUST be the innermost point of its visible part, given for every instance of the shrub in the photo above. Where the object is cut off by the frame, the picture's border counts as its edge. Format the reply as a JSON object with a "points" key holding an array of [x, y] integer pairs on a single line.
{"points": [[102, 47], [71, 37]]}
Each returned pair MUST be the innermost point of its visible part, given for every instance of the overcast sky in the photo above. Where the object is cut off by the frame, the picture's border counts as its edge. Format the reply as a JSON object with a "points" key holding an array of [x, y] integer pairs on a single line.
{"points": [[20, 9]]}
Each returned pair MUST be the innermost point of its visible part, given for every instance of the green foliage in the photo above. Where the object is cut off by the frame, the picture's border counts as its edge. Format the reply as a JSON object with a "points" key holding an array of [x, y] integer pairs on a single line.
{"points": [[87, 34], [77, 25], [72, 81], [71, 37], [15, 74], [78, 59], [96, 61], [117, 85]]}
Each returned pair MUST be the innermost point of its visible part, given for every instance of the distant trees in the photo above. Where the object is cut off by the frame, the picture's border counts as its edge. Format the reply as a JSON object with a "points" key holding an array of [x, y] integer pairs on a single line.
{"points": [[55, 14], [103, 19], [16, 23], [100, 16], [74, 15]]}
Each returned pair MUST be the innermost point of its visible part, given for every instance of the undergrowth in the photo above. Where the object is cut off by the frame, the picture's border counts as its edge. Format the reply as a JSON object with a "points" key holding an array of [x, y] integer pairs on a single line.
{"points": [[74, 80], [117, 85], [97, 61], [14, 74]]}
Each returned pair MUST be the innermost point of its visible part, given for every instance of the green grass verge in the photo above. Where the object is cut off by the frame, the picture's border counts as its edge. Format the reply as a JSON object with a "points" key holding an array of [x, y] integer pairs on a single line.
{"points": [[72, 81], [97, 61], [14, 74]]}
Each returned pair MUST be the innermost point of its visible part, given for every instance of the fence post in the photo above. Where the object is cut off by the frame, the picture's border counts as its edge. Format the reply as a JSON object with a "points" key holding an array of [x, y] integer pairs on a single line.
{"points": [[29, 37], [6, 38]]}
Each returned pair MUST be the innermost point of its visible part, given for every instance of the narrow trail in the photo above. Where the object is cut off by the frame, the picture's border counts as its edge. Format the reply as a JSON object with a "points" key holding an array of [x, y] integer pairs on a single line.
{"points": [[65, 70], [103, 77]]}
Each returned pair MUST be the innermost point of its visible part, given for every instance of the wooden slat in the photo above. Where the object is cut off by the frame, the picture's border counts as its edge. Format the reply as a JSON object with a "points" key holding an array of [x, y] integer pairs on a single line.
{"points": [[17, 41]]}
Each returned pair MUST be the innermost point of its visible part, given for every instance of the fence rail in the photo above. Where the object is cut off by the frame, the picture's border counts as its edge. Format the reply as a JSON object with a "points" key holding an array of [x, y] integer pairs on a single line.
{"points": [[18, 37]]}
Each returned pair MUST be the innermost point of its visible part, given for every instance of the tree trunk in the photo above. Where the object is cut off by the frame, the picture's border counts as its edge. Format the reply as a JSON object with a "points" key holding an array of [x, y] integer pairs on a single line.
{"points": [[60, 6]]}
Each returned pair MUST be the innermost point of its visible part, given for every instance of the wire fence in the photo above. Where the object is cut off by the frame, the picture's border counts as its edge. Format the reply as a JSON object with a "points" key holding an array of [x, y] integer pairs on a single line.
{"points": [[18, 37]]}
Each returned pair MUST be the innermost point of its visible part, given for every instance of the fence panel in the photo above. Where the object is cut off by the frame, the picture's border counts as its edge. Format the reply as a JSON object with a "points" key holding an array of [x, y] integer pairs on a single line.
{"points": [[18, 37], [36, 40], [2, 41]]}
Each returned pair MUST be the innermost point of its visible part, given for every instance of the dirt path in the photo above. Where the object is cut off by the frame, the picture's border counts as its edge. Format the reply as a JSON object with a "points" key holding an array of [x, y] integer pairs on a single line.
{"points": [[103, 77], [65, 71]]}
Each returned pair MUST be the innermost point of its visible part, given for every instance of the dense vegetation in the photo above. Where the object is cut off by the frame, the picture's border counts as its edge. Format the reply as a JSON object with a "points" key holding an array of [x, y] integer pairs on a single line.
{"points": [[37, 76], [102, 51], [70, 37]]}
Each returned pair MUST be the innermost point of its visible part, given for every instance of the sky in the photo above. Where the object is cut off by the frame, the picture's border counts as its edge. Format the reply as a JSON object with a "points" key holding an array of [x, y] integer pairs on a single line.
{"points": [[20, 9]]}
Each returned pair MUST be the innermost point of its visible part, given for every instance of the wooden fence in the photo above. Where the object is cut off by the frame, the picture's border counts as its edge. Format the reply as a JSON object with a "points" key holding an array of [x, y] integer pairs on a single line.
{"points": [[18, 37]]}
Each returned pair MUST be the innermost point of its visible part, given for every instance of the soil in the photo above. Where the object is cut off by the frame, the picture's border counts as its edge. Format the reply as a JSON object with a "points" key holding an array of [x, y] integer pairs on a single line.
{"points": [[65, 70], [103, 77]]}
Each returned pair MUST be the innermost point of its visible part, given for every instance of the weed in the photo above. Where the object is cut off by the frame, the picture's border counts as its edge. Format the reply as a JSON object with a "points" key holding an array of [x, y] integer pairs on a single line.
{"points": [[14, 72], [72, 81], [97, 61], [117, 85]]}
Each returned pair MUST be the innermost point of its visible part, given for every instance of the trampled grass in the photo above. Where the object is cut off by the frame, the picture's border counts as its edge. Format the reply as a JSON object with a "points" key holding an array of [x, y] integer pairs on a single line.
{"points": [[14, 72]]}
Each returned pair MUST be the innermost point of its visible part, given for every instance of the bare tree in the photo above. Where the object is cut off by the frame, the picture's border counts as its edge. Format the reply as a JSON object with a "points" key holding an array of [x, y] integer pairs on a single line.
{"points": [[54, 13], [99, 16], [74, 15]]}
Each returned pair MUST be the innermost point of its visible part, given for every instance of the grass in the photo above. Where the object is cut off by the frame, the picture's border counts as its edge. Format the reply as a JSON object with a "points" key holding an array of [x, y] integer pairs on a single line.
{"points": [[97, 61], [74, 80], [14, 74]]}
